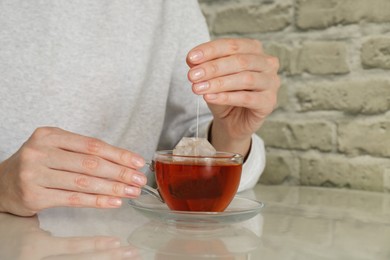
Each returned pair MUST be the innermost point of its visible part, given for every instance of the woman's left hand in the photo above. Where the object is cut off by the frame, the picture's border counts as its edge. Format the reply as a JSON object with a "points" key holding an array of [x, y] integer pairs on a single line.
{"points": [[239, 82]]}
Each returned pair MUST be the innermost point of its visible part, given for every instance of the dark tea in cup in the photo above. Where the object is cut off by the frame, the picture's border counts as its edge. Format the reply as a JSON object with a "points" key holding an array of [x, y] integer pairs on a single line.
{"points": [[198, 183]]}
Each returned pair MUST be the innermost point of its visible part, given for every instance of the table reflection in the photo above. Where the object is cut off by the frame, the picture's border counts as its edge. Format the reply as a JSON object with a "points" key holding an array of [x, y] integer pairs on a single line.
{"points": [[160, 241], [22, 238], [66, 233]]}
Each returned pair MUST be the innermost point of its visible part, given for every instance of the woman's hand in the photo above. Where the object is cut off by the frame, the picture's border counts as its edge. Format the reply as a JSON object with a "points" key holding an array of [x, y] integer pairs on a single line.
{"points": [[59, 168], [240, 84]]}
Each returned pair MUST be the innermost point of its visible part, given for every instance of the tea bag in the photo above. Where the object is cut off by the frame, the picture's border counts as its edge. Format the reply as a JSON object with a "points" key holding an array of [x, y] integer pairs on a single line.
{"points": [[194, 146]]}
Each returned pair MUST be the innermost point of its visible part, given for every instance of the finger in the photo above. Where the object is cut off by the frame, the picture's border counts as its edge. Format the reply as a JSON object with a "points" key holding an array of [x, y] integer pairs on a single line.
{"points": [[62, 198], [86, 184], [246, 80], [264, 101], [222, 48], [227, 65], [94, 166], [89, 145]]}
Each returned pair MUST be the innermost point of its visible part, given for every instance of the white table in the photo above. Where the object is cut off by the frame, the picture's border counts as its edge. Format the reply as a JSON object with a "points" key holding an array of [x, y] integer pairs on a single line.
{"points": [[297, 223]]}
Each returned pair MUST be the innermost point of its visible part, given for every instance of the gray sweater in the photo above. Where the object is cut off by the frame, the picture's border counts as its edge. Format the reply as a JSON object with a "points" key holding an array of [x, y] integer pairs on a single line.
{"points": [[110, 69]]}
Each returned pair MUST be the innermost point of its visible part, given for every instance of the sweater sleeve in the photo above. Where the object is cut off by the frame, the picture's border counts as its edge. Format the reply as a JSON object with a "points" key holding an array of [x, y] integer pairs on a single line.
{"points": [[254, 164]]}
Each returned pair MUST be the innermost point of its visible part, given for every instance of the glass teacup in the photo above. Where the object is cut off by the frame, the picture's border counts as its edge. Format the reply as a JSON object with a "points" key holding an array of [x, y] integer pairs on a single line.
{"points": [[197, 183]]}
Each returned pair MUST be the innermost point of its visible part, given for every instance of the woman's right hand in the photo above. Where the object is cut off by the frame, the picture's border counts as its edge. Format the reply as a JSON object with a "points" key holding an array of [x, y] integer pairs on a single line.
{"points": [[55, 168]]}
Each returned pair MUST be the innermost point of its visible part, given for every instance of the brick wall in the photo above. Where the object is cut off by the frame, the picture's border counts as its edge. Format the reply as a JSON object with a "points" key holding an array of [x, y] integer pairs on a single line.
{"points": [[332, 124]]}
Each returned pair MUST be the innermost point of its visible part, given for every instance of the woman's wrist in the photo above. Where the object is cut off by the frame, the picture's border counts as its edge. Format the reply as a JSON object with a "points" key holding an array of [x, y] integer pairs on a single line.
{"points": [[224, 142]]}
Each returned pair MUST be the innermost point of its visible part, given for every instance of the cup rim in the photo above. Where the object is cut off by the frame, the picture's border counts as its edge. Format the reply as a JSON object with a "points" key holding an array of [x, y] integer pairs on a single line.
{"points": [[217, 155]]}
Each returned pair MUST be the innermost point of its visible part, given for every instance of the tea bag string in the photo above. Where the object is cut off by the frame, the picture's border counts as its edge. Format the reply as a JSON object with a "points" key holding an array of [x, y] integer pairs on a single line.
{"points": [[197, 117]]}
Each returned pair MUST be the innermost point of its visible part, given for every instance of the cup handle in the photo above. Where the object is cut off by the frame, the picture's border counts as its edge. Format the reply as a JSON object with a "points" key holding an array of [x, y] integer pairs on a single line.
{"points": [[147, 189], [154, 192], [150, 165]]}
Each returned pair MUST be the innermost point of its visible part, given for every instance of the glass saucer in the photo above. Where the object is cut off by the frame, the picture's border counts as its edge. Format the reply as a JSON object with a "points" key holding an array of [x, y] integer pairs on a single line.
{"points": [[239, 210]]}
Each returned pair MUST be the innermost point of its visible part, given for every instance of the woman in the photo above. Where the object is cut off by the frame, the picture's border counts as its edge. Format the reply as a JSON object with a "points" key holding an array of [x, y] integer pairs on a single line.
{"points": [[75, 73]]}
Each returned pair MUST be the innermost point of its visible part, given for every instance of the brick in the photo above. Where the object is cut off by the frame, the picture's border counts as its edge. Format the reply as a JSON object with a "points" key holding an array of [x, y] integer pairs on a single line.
{"points": [[284, 55], [302, 135], [372, 137], [375, 53], [320, 14], [251, 19], [280, 169], [319, 58], [283, 101], [386, 202], [351, 96], [323, 58], [386, 181], [339, 171]]}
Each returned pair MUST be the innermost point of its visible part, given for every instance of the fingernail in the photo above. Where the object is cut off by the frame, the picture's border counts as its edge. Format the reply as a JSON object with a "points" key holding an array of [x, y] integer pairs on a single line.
{"points": [[115, 202], [132, 191], [138, 162], [196, 55], [201, 86], [139, 179], [197, 74]]}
